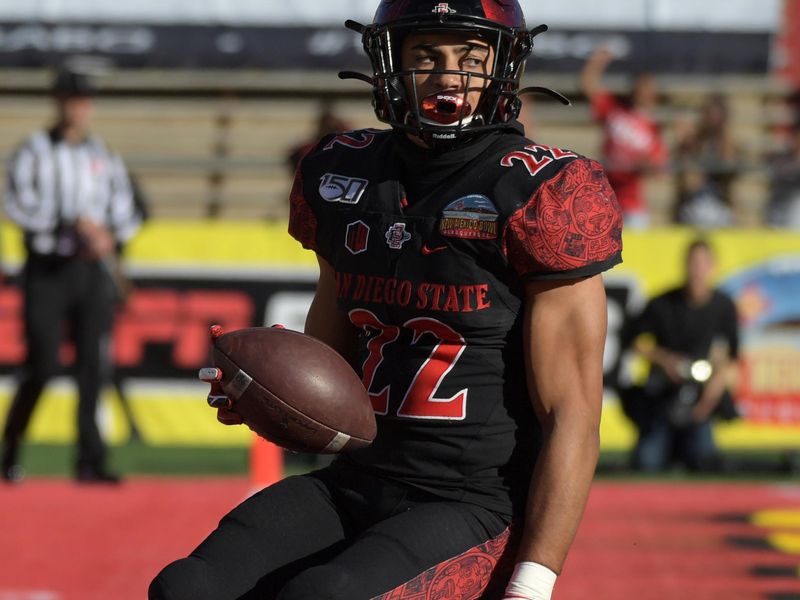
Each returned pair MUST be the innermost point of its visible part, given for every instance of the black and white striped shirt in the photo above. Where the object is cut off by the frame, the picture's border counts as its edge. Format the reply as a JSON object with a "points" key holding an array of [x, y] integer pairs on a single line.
{"points": [[52, 184]]}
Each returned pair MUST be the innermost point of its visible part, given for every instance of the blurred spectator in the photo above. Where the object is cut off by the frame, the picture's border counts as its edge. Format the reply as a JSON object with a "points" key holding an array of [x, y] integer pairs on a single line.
{"points": [[793, 102], [705, 166], [689, 335], [327, 122], [784, 203], [72, 198], [632, 145]]}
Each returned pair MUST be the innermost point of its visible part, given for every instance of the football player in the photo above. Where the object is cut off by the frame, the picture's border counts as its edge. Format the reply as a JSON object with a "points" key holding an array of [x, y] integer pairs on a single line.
{"points": [[460, 274]]}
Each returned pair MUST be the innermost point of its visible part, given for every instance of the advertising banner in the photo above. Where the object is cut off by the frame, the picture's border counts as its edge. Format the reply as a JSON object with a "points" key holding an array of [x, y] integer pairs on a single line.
{"points": [[710, 15], [662, 36], [214, 46]]}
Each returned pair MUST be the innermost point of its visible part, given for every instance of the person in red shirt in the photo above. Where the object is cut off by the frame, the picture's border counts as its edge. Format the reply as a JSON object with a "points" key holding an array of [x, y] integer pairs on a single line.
{"points": [[632, 144]]}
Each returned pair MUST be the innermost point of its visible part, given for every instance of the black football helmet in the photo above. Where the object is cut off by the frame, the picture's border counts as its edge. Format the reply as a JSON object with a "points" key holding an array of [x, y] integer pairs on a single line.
{"points": [[444, 119]]}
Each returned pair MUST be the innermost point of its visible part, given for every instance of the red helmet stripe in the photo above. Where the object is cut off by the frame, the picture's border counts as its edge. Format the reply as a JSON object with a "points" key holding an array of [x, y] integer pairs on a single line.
{"points": [[506, 15], [397, 10]]}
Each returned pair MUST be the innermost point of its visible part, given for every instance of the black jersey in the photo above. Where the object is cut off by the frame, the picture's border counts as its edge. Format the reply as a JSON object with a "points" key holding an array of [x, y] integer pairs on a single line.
{"points": [[689, 330], [432, 268]]}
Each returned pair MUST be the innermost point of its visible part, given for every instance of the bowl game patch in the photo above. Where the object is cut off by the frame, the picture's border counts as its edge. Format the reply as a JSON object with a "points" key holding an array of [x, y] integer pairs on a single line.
{"points": [[472, 217]]}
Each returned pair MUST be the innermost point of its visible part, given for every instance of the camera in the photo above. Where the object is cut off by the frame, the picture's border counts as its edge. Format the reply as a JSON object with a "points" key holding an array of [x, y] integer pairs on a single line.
{"points": [[695, 375]]}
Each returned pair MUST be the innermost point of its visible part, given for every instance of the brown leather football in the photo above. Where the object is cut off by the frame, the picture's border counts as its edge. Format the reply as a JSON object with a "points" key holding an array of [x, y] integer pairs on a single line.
{"points": [[294, 390]]}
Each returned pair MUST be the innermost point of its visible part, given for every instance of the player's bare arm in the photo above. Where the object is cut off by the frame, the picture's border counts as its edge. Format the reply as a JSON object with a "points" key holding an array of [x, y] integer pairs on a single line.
{"points": [[565, 328], [325, 321]]}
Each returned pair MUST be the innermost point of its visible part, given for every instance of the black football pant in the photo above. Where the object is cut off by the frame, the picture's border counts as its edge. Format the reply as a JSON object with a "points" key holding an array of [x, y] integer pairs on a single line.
{"points": [[344, 535], [77, 293]]}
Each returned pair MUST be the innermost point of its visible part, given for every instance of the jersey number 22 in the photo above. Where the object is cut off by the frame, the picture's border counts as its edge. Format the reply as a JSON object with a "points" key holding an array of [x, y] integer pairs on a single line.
{"points": [[420, 401]]}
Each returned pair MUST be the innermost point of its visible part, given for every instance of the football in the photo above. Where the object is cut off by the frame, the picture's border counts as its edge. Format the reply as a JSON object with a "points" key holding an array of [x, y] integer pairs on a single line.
{"points": [[294, 390]]}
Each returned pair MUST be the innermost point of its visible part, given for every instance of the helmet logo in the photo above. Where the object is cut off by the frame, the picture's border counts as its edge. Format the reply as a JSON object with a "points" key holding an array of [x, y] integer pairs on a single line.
{"points": [[443, 8]]}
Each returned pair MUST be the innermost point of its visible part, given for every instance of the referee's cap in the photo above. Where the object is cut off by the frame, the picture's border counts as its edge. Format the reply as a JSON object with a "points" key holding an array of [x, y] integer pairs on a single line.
{"points": [[70, 84]]}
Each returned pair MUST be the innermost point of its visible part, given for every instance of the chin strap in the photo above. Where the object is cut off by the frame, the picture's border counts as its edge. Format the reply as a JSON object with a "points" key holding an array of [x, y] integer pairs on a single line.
{"points": [[536, 89], [538, 30], [357, 76], [355, 26]]}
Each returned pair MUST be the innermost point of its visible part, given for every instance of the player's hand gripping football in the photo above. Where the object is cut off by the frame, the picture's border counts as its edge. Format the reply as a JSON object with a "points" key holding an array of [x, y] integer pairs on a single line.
{"points": [[216, 396]]}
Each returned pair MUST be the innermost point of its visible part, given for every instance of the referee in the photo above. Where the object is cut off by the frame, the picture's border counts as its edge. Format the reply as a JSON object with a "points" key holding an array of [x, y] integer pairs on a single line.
{"points": [[72, 198]]}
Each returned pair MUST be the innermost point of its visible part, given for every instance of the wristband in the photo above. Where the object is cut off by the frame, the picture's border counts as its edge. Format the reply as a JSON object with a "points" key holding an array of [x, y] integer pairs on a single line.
{"points": [[531, 581]]}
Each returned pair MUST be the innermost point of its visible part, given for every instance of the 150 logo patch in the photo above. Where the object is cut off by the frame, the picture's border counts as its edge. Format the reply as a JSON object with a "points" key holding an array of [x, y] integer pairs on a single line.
{"points": [[340, 188]]}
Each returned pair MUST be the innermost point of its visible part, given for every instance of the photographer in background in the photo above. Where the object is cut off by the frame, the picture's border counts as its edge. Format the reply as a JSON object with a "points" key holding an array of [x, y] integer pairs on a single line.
{"points": [[689, 335], [72, 198]]}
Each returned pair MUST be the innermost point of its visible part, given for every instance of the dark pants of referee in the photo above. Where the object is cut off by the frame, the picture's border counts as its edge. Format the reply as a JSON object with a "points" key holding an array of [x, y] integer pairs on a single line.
{"points": [[78, 293], [341, 534]]}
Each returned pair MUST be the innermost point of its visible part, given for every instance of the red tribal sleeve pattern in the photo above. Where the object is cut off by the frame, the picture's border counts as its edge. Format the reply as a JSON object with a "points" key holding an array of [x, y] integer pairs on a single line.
{"points": [[302, 221], [572, 225], [480, 572]]}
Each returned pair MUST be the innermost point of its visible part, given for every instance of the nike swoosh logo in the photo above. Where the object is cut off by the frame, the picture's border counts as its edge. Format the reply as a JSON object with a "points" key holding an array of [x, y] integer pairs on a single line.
{"points": [[426, 251]]}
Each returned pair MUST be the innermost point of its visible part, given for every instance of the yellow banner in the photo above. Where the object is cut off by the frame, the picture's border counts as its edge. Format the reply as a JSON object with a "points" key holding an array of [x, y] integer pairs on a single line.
{"points": [[653, 262], [654, 257]]}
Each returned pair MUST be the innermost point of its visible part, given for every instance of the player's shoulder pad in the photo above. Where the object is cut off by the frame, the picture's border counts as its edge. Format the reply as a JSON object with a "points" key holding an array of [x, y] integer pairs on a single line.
{"points": [[527, 164], [571, 224], [341, 165], [345, 146], [521, 166], [332, 173]]}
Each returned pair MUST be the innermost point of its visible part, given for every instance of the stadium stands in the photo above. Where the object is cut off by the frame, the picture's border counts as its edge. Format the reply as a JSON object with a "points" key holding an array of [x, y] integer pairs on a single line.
{"points": [[208, 144]]}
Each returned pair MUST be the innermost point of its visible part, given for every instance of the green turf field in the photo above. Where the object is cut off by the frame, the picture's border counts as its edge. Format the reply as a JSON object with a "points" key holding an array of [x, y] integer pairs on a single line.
{"points": [[135, 458]]}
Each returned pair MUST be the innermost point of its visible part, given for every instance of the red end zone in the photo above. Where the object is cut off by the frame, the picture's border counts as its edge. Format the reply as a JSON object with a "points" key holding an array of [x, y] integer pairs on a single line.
{"points": [[61, 541], [660, 541], [657, 541]]}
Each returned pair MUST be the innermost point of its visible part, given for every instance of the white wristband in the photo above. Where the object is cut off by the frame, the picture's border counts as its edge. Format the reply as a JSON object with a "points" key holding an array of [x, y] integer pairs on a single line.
{"points": [[531, 581]]}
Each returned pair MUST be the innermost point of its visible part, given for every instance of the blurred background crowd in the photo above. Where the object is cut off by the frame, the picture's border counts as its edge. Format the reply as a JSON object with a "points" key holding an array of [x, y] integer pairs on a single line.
{"points": [[693, 110]]}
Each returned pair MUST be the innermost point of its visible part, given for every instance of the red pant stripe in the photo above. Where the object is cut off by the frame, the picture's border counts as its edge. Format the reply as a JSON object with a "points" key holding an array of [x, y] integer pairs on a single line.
{"points": [[480, 573]]}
